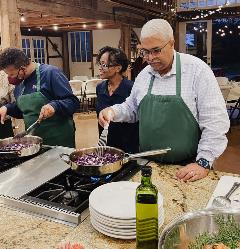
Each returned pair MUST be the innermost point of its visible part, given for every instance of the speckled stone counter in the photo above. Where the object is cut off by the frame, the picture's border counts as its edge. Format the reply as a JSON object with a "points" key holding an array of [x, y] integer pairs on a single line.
{"points": [[22, 231]]}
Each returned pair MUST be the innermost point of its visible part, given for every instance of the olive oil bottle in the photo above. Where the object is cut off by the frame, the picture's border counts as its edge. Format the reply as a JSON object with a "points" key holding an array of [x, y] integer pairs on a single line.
{"points": [[146, 212]]}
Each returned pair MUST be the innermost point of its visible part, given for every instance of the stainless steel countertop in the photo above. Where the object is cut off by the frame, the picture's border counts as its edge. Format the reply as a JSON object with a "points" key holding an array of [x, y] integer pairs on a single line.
{"points": [[27, 176]]}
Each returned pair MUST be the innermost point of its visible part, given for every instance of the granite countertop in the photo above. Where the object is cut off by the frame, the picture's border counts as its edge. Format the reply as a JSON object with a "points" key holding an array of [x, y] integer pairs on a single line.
{"points": [[23, 231]]}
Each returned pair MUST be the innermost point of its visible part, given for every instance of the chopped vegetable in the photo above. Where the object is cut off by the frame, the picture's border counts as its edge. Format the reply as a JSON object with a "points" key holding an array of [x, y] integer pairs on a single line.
{"points": [[15, 146], [93, 159], [71, 246], [228, 236]]}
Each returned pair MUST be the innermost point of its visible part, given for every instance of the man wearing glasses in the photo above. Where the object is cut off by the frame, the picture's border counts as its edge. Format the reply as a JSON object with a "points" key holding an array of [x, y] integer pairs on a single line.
{"points": [[178, 103]]}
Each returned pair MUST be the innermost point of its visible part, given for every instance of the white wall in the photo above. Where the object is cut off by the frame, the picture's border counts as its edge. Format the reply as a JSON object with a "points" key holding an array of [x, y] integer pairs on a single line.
{"points": [[101, 38]]}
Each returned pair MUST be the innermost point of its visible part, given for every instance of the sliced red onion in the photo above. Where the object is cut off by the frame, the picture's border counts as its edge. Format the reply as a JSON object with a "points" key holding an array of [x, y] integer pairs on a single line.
{"points": [[15, 146], [93, 159]]}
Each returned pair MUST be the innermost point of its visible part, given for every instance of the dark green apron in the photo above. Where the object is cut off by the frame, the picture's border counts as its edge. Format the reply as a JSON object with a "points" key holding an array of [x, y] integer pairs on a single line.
{"points": [[166, 121], [55, 130]]}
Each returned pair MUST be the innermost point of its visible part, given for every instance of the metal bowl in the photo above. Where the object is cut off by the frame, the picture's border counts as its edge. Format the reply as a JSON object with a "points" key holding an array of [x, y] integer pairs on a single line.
{"points": [[184, 229]]}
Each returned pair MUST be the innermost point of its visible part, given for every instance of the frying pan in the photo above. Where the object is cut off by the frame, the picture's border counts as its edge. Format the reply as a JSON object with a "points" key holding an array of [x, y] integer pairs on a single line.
{"points": [[109, 168], [31, 150]]}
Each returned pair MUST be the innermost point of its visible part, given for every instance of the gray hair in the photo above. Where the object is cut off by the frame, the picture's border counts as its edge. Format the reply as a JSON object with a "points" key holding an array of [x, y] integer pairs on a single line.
{"points": [[157, 28]]}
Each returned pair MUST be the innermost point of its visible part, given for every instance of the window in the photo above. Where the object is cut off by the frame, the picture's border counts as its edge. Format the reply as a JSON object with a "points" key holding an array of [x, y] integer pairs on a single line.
{"points": [[80, 46], [26, 47], [38, 50]]}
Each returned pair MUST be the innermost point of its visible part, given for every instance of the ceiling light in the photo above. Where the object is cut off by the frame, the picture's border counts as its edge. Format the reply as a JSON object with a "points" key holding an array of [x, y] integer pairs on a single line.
{"points": [[41, 28], [29, 29], [99, 25], [22, 18], [84, 26], [55, 27]]}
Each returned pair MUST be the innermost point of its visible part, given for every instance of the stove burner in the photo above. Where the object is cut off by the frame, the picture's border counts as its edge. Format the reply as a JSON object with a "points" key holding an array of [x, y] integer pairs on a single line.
{"points": [[98, 178], [70, 195], [70, 191]]}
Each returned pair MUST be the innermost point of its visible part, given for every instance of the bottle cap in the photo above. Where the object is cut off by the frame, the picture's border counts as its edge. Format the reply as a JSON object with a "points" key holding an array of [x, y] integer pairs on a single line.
{"points": [[146, 171]]}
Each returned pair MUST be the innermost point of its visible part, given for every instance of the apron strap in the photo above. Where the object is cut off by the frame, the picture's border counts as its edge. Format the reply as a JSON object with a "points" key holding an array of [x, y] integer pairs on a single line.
{"points": [[38, 85], [38, 77], [178, 75], [151, 85]]}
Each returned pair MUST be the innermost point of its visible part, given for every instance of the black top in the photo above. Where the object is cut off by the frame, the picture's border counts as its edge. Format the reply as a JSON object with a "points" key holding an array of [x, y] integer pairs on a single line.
{"points": [[120, 135]]}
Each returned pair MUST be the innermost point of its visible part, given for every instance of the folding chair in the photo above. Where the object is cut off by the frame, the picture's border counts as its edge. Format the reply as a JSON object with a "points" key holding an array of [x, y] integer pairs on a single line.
{"points": [[90, 93]]}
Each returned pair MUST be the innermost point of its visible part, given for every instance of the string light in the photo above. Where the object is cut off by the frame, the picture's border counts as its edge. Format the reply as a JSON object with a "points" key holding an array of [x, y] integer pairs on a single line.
{"points": [[99, 25], [55, 27], [22, 18]]}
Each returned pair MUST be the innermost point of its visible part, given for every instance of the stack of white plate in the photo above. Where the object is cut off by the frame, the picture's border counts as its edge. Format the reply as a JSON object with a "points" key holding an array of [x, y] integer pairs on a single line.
{"points": [[113, 209]]}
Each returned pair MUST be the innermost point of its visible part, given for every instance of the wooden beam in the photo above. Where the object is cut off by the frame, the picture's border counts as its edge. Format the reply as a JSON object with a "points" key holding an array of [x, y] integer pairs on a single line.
{"points": [[65, 52], [64, 10], [60, 9], [125, 40], [10, 24]]}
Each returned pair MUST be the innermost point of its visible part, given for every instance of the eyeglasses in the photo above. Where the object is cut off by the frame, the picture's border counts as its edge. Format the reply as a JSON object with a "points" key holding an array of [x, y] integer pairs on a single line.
{"points": [[106, 66], [153, 51]]}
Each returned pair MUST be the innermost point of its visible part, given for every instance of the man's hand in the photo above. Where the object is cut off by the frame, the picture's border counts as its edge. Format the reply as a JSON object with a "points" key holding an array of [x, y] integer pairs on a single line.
{"points": [[106, 116], [191, 172], [3, 114], [47, 111]]}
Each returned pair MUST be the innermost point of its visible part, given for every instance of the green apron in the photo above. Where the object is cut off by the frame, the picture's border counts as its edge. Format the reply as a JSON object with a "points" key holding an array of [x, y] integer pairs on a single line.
{"points": [[55, 130], [166, 121]]}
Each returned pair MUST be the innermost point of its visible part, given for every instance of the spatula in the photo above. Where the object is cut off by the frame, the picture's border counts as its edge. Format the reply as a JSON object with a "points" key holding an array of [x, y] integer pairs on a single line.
{"points": [[29, 130]]}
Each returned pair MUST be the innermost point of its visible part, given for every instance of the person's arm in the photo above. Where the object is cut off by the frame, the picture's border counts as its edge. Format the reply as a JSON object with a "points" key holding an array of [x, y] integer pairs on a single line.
{"points": [[128, 110], [213, 117], [64, 102]]}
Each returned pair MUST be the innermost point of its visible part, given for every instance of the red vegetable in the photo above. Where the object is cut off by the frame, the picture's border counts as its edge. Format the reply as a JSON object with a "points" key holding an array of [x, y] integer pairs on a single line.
{"points": [[93, 159]]}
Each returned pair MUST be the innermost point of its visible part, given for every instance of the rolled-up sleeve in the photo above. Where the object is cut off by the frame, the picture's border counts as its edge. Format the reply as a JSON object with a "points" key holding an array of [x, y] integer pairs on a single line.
{"points": [[212, 116], [64, 101]]}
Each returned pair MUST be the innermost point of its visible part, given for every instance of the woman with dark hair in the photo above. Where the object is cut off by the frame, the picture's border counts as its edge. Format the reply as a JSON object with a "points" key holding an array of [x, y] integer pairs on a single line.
{"points": [[115, 89]]}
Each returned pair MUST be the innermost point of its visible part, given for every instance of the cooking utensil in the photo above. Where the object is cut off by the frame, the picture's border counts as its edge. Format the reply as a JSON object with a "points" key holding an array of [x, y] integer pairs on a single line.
{"points": [[184, 229], [36, 143], [29, 130], [105, 169], [103, 138], [224, 201]]}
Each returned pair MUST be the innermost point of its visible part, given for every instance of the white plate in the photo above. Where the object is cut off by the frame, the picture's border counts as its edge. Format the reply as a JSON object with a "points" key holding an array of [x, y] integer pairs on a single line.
{"points": [[116, 222], [116, 200], [112, 234], [124, 232], [111, 222]]}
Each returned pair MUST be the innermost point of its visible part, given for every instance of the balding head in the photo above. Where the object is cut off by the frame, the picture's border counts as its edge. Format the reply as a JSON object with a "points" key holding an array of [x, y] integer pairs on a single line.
{"points": [[157, 28]]}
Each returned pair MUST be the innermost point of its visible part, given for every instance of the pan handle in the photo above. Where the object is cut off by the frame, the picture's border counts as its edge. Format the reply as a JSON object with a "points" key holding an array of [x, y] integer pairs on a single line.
{"points": [[65, 157], [128, 157]]}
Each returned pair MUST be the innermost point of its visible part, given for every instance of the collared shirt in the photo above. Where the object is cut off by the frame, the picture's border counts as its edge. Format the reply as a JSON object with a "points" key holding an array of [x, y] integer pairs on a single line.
{"points": [[121, 135], [201, 93], [54, 86]]}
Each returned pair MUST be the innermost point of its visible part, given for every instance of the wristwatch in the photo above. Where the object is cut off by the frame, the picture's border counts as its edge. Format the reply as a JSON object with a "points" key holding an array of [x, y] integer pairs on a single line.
{"points": [[203, 163]]}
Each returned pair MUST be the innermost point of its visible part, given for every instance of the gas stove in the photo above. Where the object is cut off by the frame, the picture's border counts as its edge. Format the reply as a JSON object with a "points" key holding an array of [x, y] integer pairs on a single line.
{"points": [[45, 186]]}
